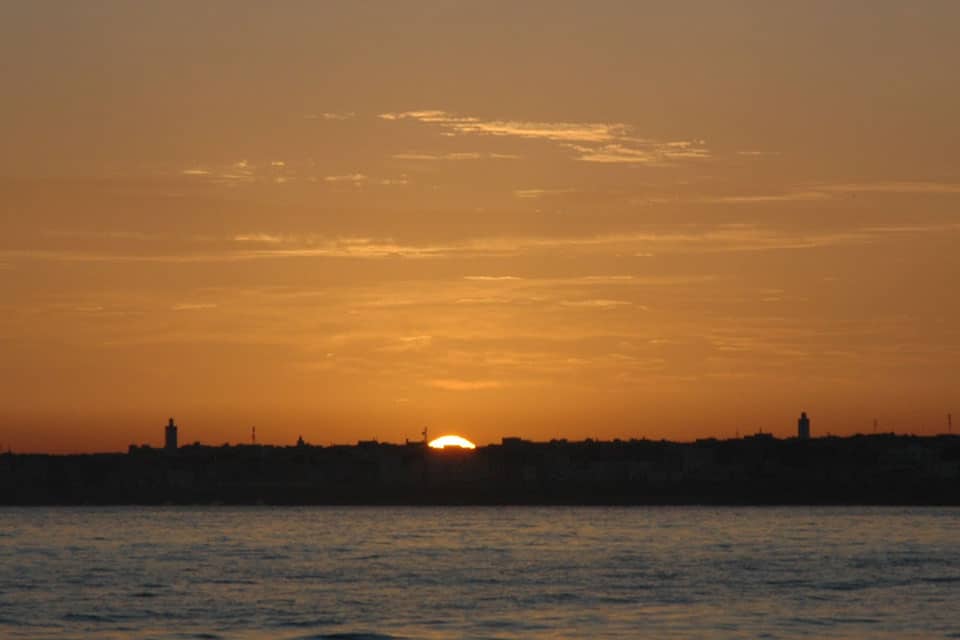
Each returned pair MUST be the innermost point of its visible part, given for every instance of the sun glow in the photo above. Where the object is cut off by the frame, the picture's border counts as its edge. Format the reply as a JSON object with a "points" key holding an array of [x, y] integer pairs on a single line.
{"points": [[451, 441]]}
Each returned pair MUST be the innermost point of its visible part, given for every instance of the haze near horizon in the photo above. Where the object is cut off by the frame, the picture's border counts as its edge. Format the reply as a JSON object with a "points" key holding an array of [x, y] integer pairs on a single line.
{"points": [[559, 219]]}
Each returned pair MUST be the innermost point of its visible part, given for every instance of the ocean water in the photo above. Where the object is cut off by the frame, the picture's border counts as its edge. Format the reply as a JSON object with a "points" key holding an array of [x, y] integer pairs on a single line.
{"points": [[479, 573]]}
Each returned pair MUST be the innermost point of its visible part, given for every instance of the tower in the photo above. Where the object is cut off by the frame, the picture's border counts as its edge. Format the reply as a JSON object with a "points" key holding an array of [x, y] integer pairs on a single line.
{"points": [[170, 436], [803, 427]]}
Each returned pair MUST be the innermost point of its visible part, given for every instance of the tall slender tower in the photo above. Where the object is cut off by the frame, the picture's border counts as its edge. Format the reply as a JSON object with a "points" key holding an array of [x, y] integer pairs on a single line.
{"points": [[803, 427], [170, 436]]}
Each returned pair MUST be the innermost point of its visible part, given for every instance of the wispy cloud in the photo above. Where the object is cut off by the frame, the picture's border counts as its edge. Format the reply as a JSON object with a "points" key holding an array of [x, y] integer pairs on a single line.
{"points": [[556, 131], [757, 153], [596, 304], [610, 143], [693, 240], [643, 152], [894, 187], [448, 384], [408, 343], [530, 194], [278, 172], [331, 116], [355, 178], [230, 174], [461, 155], [193, 306], [261, 238], [763, 198], [828, 191], [109, 235]]}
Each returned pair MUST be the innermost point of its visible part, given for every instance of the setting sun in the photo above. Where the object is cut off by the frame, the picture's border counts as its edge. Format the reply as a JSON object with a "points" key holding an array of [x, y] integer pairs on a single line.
{"points": [[451, 441]]}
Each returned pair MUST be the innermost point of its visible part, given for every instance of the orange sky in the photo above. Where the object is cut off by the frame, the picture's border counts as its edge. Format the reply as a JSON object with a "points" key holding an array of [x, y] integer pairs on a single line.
{"points": [[560, 219]]}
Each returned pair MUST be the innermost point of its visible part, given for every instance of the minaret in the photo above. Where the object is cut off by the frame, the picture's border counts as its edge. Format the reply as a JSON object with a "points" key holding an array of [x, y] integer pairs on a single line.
{"points": [[803, 427], [170, 436]]}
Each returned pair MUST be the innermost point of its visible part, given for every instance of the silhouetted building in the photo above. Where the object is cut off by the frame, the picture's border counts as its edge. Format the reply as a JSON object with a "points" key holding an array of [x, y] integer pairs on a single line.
{"points": [[761, 469], [170, 436], [803, 427]]}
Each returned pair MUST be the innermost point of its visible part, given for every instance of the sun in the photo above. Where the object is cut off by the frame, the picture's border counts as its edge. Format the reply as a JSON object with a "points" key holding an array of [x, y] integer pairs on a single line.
{"points": [[451, 441]]}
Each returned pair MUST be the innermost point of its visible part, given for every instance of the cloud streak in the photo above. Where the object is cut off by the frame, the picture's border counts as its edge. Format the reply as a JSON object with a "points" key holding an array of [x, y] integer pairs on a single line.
{"points": [[448, 384], [195, 306], [694, 240], [895, 187], [830, 191], [354, 178], [461, 155], [597, 142], [350, 115]]}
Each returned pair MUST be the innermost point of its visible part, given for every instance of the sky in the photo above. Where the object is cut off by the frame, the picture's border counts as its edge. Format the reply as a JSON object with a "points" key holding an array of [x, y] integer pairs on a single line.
{"points": [[551, 219]]}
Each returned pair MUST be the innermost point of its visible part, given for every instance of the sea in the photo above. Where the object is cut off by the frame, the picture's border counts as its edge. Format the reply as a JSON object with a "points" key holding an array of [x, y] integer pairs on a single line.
{"points": [[479, 572]]}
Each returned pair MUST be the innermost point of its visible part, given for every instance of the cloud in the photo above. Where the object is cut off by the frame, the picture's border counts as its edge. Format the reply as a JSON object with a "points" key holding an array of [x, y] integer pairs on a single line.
{"points": [[491, 278], [911, 228], [262, 238], [187, 306], [355, 178], [464, 385], [230, 174], [601, 142], [316, 247], [596, 304], [555, 131], [643, 152], [758, 154], [461, 155], [283, 171], [703, 239], [790, 196], [409, 343], [894, 187], [331, 116], [828, 191], [608, 279], [111, 235], [539, 193]]}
